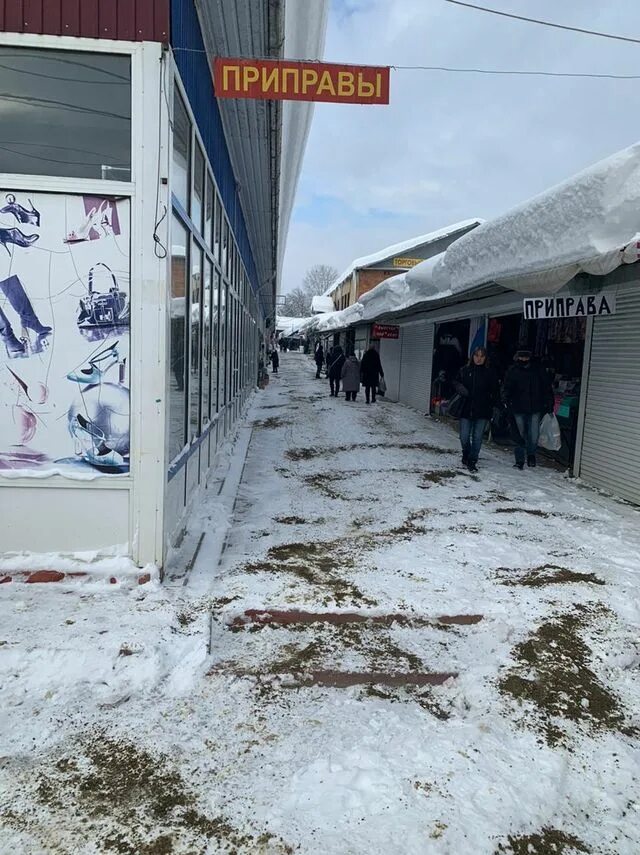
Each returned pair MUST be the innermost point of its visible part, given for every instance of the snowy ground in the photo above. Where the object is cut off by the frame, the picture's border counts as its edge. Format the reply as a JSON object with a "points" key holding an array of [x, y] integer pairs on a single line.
{"points": [[166, 719]]}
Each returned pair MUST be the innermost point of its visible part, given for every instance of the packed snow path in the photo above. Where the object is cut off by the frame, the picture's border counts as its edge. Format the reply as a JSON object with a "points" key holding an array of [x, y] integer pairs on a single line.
{"points": [[361, 649]]}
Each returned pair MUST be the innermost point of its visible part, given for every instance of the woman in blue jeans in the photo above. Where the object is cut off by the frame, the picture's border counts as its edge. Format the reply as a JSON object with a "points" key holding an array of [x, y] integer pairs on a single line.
{"points": [[478, 384]]}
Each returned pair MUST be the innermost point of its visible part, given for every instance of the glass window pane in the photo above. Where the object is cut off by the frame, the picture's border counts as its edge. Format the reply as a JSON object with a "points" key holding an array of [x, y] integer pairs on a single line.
{"points": [[177, 402], [196, 341], [180, 178], [206, 341], [65, 113], [215, 346], [222, 358], [225, 241], [217, 230], [208, 216], [197, 206]]}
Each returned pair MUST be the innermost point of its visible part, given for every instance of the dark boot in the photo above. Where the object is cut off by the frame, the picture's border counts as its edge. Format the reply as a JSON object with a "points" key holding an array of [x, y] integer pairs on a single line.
{"points": [[14, 346], [519, 466], [17, 296], [531, 461]]}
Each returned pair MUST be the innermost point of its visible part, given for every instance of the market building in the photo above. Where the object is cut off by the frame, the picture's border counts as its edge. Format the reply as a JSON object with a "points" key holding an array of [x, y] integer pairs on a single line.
{"points": [[557, 277], [364, 274], [142, 224]]}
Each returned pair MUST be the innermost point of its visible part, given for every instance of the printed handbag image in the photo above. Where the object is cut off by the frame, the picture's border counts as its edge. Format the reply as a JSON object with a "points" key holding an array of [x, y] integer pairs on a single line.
{"points": [[103, 310]]}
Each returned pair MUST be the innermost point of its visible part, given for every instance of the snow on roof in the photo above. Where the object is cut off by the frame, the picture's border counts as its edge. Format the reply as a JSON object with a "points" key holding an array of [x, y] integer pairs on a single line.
{"points": [[340, 320], [584, 223], [321, 304], [287, 326], [398, 248]]}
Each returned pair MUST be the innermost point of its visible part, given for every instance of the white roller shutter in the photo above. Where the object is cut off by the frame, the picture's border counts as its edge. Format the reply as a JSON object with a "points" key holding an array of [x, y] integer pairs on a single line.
{"points": [[415, 365], [610, 456], [390, 349]]}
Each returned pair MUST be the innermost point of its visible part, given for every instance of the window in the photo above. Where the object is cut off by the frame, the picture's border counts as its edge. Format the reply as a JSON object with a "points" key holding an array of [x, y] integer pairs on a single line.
{"points": [[197, 204], [222, 356], [215, 344], [180, 179], [196, 342], [217, 226], [65, 113], [208, 215], [224, 259], [178, 344], [206, 342]]}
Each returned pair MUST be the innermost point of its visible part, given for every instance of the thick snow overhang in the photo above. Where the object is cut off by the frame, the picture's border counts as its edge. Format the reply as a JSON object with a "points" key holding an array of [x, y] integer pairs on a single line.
{"points": [[394, 250], [588, 223], [320, 305], [266, 139]]}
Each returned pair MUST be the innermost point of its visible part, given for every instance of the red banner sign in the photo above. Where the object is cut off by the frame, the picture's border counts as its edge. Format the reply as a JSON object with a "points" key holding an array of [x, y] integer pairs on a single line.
{"points": [[385, 331], [285, 80]]}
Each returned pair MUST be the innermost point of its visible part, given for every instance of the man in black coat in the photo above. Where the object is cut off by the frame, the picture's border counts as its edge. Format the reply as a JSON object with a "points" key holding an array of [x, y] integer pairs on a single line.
{"points": [[528, 393], [335, 361], [319, 359], [371, 372]]}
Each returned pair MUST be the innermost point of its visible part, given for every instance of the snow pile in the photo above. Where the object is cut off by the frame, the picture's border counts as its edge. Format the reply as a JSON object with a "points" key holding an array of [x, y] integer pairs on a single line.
{"points": [[385, 297], [404, 246], [583, 224], [340, 320], [321, 304], [288, 326]]}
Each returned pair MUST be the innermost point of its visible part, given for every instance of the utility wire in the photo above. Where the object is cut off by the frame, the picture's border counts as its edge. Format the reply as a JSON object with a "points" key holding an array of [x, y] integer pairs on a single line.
{"points": [[545, 23], [456, 70]]}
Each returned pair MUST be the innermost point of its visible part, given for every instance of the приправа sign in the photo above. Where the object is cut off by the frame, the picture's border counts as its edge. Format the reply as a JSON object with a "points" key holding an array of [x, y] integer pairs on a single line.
{"points": [[590, 305]]}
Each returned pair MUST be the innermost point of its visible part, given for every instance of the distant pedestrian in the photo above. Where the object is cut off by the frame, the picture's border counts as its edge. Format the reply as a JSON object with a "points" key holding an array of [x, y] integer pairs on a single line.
{"points": [[335, 361], [528, 393], [319, 359], [478, 385], [351, 377], [275, 360], [371, 372]]}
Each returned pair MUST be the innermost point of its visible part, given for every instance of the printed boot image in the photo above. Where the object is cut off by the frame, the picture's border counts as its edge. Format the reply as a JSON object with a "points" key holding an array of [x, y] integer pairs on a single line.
{"points": [[23, 215], [17, 237], [21, 304]]}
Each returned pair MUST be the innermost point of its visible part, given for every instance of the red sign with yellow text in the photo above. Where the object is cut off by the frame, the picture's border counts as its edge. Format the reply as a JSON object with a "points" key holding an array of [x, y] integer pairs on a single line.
{"points": [[271, 80]]}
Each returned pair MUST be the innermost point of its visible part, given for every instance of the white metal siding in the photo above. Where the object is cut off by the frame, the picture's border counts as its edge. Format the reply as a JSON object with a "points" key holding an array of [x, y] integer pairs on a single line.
{"points": [[416, 362], [390, 358], [611, 443]]}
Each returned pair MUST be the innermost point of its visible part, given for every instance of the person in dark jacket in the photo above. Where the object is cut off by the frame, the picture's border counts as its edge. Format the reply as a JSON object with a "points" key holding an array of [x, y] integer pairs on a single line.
{"points": [[351, 377], [335, 361], [528, 393], [478, 384], [371, 372], [319, 358], [275, 360]]}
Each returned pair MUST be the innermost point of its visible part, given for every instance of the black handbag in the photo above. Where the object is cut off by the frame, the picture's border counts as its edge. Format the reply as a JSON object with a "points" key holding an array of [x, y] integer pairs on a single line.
{"points": [[455, 407], [103, 310]]}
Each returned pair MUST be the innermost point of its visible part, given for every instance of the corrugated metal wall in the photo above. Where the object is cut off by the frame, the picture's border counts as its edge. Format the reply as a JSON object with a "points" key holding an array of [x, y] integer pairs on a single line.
{"points": [[129, 20], [611, 441], [195, 73], [415, 365]]}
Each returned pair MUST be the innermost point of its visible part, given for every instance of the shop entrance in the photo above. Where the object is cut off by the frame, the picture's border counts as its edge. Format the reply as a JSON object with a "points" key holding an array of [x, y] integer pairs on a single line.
{"points": [[558, 344], [450, 353]]}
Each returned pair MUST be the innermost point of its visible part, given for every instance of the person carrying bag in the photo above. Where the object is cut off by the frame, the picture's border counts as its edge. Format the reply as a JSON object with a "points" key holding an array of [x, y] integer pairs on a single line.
{"points": [[477, 391]]}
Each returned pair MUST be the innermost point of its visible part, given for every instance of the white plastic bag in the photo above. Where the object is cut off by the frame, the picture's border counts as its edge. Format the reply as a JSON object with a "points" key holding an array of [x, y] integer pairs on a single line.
{"points": [[382, 387], [550, 437]]}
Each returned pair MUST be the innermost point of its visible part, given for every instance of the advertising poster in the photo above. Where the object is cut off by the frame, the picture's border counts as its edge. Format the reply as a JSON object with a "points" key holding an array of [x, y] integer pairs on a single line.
{"points": [[64, 335]]}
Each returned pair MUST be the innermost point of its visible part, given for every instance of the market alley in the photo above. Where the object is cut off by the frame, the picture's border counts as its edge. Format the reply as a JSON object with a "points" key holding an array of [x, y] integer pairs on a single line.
{"points": [[365, 648]]}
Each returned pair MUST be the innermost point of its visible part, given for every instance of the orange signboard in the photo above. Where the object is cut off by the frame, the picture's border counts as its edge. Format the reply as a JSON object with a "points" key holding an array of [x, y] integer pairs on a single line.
{"points": [[285, 80]]}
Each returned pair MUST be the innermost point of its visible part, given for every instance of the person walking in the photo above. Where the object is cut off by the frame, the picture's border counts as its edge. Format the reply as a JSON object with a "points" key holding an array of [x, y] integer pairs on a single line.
{"points": [[275, 360], [351, 377], [478, 385], [528, 394], [371, 372], [319, 359], [335, 361]]}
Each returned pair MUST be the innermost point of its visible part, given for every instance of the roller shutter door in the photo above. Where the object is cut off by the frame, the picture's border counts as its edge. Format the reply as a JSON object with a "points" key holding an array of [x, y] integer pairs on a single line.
{"points": [[610, 456], [415, 365], [390, 349]]}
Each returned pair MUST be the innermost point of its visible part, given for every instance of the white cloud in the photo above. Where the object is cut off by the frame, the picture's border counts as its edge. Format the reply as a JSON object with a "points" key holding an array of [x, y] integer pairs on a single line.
{"points": [[453, 146]]}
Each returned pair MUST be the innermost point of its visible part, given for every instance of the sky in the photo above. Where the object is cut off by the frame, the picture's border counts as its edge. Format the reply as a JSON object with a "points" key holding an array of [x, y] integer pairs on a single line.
{"points": [[455, 146]]}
